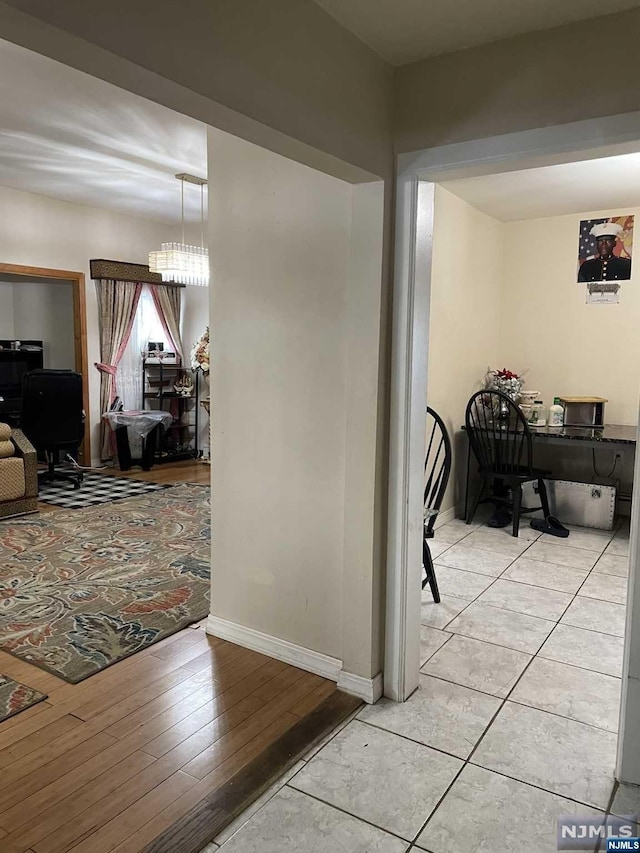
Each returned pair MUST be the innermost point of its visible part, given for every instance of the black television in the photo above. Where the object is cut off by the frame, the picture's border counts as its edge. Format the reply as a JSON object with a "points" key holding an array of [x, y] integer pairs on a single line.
{"points": [[14, 363], [11, 373]]}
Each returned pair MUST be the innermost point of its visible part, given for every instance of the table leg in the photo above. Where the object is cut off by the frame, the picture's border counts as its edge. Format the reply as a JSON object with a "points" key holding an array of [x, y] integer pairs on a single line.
{"points": [[149, 448], [124, 451], [466, 489]]}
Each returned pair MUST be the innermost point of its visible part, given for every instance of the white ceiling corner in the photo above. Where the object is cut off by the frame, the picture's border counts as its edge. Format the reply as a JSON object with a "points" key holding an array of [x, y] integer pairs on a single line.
{"points": [[70, 136], [607, 183]]}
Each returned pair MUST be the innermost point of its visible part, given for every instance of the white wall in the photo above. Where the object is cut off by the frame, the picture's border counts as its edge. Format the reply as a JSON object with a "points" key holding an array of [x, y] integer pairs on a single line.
{"points": [[283, 422], [505, 295], [465, 312], [44, 232], [36, 310], [279, 243], [364, 502], [569, 347], [6, 310]]}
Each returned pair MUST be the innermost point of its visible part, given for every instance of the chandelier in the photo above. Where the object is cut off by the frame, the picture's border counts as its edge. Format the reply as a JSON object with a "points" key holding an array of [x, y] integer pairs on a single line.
{"points": [[178, 261]]}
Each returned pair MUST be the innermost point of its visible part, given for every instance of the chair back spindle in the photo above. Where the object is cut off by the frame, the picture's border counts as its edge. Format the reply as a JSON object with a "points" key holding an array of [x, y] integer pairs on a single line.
{"points": [[499, 434], [437, 468]]}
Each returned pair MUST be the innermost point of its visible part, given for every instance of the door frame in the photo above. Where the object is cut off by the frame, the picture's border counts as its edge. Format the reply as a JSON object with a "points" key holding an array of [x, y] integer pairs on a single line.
{"points": [[79, 334], [416, 175]]}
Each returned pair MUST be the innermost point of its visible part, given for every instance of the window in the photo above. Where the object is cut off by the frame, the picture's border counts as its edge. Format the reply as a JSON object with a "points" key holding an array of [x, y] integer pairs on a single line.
{"points": [[147, 326]]}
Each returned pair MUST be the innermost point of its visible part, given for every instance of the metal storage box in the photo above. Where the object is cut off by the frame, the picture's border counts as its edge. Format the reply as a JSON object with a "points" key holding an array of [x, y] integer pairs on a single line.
{"points": [[583, 504]]}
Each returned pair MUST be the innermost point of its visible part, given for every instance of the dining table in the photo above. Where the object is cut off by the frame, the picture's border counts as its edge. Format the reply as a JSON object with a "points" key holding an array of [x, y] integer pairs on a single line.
{"points": [[609, 436]]}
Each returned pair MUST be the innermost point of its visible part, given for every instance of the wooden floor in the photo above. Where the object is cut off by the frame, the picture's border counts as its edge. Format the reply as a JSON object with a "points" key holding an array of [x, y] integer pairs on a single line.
{"points": [[112, 762], [172, 472]]}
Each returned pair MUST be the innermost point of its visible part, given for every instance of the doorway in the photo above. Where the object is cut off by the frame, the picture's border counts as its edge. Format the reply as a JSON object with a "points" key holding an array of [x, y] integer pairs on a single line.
{"points": [[417, 175], [52, 277]]}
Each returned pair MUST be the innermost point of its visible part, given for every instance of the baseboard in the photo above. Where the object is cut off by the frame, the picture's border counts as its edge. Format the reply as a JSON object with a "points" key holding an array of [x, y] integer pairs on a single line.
{"points": [[445, 517], [274, 647], [367, 689]]}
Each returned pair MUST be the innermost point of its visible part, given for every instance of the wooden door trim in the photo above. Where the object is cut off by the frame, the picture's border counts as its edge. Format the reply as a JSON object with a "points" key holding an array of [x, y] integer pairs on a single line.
{"points": [[77, 280]]}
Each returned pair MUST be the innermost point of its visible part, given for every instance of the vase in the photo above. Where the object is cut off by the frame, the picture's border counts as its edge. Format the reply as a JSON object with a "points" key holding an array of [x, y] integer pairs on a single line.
{"points": [[510, 387]]}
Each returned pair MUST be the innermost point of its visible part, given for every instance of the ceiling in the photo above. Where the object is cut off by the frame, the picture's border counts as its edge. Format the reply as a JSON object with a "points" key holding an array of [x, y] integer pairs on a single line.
{"points": [[70, 136], [590, 185], [403, 31]]}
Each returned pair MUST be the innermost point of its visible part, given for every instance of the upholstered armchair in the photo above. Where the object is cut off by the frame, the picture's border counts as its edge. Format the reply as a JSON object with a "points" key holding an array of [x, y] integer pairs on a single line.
{"points": [[18, 474]]}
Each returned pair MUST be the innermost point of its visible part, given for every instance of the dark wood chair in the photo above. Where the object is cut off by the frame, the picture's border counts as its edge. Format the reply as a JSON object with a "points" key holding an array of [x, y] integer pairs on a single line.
{"points": [[502, 443], [437, 468]]}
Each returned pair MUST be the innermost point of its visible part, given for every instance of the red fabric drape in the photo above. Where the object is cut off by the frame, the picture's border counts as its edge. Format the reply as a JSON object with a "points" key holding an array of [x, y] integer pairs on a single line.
{"points": [[117, 306]]}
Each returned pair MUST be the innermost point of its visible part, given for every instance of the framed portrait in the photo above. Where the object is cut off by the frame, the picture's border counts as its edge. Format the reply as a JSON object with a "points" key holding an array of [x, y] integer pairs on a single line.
{"points": [[605, 249]]}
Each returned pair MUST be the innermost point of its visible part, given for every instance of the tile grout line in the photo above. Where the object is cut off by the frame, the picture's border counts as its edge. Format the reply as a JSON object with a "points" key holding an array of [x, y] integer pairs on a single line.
{"points": [[437, 650], [503, 700], [575, 665], [410, 739], [563, 716], [495, 578], [574, 595], [524, 583], [535, 655], [467, 761], [349, 814]]}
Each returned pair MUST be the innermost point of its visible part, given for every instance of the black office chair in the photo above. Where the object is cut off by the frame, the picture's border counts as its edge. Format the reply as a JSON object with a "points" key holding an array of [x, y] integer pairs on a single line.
{"points": [[53, 419], [502, 443], [437, 468]]}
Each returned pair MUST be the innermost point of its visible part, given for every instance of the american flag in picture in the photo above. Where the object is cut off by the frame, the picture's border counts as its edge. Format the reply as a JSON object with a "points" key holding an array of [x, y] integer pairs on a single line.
{"points": [[588, 247]]}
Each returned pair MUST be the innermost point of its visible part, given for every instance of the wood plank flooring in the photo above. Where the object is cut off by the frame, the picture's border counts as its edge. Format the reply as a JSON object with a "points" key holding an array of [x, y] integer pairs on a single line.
{"points": [[171, 472], [110, 763], [211, 814]]}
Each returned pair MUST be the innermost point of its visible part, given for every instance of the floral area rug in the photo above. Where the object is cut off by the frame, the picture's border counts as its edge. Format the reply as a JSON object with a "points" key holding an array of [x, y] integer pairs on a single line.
{"points": [[82, 589], [16, 697]]}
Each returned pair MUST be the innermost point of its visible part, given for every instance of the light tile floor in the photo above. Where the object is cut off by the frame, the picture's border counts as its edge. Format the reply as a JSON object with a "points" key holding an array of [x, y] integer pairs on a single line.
{"points": [[514, 723]]}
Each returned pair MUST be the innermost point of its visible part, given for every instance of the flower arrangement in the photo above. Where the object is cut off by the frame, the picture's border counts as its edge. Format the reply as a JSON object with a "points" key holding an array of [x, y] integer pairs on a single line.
{"points": [[504, 380], [200, 353]]}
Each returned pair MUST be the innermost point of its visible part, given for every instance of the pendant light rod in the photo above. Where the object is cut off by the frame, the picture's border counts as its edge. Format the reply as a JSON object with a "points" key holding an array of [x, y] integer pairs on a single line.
{"points": [[182, 207], [202, 215], [185, 177]]}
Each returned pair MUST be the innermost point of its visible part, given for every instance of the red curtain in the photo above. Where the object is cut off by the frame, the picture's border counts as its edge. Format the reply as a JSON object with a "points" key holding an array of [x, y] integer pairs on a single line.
{"points": [[117, 306]]}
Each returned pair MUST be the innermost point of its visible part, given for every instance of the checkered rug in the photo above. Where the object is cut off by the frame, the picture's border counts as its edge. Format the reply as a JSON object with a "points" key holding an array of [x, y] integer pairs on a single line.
{"points": [[94, 489]]}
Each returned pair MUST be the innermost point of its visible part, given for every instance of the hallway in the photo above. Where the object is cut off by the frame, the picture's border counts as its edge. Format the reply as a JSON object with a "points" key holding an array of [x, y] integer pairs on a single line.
{"points": [[514, 725]]}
